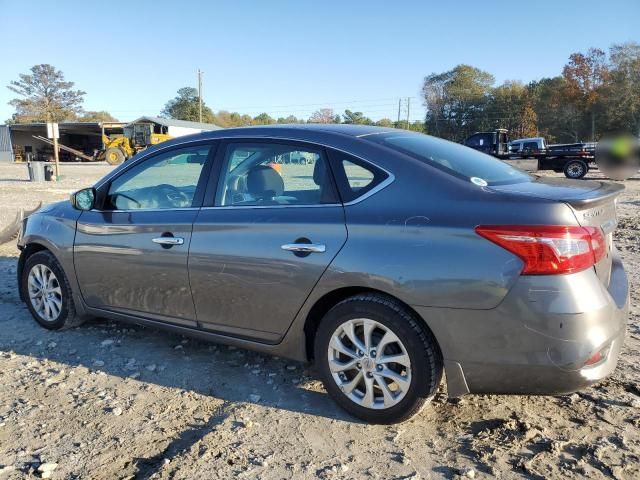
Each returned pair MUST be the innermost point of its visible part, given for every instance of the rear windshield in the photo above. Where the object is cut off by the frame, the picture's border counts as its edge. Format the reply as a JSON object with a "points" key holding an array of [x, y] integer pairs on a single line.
{"points": [[463, 162]]}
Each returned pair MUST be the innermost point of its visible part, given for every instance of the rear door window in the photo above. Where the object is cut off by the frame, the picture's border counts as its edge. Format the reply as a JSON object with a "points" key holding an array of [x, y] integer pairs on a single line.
{"points": [[271, 174]]}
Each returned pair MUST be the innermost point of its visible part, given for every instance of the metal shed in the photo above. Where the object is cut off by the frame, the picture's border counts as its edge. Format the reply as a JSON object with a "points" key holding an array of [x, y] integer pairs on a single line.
{"points": [[85, 137]]}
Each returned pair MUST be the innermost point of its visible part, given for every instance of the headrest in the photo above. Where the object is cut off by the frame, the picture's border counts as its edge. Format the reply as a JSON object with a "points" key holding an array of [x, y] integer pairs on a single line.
{"points": [[263, 179], [319, 172]]}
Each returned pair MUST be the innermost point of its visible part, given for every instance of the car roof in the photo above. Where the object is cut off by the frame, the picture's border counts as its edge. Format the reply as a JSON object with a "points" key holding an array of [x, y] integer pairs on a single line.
{"points": [[341, 129]]}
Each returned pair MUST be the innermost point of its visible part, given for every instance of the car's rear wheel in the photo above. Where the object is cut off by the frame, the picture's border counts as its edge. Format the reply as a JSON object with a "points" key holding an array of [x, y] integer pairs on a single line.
{"points": [[376, 360], [48, 293], [575, 169]]}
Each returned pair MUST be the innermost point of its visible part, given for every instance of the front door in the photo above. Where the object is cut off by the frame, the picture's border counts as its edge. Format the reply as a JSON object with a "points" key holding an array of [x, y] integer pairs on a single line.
{"points": [[275, 226], [131, 254]]}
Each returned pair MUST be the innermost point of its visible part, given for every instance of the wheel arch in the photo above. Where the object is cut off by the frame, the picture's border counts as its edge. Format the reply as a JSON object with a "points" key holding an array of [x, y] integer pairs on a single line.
{"points": [[332, 298], [28, 250]]}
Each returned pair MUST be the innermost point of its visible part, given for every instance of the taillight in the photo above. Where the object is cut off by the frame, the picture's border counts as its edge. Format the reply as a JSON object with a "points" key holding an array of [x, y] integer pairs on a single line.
{"points": [[549, 249]]}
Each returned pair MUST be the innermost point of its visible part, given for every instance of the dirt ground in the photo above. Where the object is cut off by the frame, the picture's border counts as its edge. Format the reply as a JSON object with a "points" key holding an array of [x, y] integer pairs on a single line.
{"points": [[109, 400]]}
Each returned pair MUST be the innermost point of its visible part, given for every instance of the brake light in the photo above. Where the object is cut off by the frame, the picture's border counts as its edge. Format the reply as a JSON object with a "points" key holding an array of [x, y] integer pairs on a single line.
{"points": [[549, 249]]}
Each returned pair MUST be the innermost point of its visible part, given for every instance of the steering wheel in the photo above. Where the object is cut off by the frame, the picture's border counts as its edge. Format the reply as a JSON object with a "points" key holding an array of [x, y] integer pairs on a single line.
{"points": [[175, 196]]}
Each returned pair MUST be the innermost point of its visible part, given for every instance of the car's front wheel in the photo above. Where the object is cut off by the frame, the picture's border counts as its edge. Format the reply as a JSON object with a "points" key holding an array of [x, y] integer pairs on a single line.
{"points": [[47, 292], [376, 359]]}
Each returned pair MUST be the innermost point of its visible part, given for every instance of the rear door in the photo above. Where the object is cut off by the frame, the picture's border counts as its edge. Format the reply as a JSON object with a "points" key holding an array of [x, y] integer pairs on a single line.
{"points": [[130, 254], [269, 232]]}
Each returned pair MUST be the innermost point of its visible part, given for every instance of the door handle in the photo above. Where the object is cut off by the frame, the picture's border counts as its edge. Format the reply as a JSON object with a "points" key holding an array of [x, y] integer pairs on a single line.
{"points": [[168, 240], [304, 247]]}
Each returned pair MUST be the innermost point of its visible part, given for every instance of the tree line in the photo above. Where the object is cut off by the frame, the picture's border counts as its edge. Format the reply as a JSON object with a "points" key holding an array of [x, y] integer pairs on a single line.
{"points": [[596, 93], [185, 106]]}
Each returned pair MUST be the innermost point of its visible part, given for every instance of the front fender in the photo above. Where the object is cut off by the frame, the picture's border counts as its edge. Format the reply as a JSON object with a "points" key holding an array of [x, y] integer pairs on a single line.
{"points": [[52, 228]]}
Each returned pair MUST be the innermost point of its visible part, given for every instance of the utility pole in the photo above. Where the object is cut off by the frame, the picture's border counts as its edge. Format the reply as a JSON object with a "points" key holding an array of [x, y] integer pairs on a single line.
{"points": [[399, 103], [200, 95], [408, 109]]}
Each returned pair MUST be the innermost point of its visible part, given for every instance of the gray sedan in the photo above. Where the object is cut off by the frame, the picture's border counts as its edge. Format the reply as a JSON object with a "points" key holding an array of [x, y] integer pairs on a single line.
{"points": [[386, 257]]}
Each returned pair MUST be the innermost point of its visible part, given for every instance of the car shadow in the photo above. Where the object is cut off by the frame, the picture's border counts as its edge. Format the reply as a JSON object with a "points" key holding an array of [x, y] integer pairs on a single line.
{"points": [[235, 376]]}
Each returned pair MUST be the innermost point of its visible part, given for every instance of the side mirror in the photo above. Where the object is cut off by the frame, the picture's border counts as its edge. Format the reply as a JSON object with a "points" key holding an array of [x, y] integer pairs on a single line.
{"points": [[84, 199]]}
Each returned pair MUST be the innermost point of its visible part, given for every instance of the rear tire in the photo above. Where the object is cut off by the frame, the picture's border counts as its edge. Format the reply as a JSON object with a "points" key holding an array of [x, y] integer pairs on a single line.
{"points": [[575, 169], [47, 292], [114, 156], [366, 382]]}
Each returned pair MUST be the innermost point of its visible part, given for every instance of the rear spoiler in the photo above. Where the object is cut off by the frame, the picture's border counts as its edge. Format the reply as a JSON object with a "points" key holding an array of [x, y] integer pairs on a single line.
{"points": [[606, 193]]}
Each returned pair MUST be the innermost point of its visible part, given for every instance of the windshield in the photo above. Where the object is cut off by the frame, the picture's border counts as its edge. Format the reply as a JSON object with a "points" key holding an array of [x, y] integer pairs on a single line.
{"points": [[461, 161]]}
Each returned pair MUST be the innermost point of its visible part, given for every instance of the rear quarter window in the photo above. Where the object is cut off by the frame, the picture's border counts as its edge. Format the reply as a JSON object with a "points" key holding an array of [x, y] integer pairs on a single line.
{"points": [[355, 177]]}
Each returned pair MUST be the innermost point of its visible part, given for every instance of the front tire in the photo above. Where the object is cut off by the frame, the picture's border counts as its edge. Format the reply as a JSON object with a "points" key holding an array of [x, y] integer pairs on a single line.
{"points": [[47, 292], [376, 360], [575, 169], [114, 156]]}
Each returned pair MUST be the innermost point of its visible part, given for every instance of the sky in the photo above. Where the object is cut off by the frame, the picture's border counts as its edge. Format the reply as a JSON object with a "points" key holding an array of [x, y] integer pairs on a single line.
{"points": [[294, 57]]}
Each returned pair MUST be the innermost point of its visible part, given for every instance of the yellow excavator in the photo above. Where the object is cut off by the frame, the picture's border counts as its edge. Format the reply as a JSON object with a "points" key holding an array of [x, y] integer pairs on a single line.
{"points": [[136, 137]]}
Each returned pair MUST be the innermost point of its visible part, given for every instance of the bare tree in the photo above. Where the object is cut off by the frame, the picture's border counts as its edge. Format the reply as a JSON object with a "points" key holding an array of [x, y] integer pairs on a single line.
{"points": [[324, 115]]}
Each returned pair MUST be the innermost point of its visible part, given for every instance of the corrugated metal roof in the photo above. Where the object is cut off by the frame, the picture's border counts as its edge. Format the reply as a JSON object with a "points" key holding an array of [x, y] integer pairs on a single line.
{"points": [[170, 122], [6, 154]]}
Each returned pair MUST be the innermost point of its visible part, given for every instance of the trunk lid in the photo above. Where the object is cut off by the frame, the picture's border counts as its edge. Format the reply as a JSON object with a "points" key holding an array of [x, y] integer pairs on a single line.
{"points": [[592, 202]]}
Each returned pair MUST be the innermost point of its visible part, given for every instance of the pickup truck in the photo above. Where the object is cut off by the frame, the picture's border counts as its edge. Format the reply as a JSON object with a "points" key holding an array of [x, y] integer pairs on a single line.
{"points": [[573, 159]]}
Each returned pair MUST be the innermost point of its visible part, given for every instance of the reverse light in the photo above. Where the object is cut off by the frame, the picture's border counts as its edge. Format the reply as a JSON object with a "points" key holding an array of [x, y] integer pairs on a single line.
{"points": [[549, 249]]}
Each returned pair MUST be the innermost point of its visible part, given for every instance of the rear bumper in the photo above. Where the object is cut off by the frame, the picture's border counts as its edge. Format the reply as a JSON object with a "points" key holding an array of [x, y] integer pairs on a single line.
{"points": [[539, 339]]}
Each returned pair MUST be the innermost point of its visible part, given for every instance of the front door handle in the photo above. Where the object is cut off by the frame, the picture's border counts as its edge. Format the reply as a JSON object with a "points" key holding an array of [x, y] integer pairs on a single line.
{"points": [[304, 247], [168, 240]]}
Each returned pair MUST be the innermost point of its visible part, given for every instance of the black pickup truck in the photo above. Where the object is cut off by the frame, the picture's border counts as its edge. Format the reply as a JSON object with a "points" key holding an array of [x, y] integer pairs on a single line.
{"points": [[573, 159]]}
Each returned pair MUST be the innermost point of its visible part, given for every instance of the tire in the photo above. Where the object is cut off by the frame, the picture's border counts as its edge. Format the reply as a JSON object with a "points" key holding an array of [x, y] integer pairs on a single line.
{"points": [[114, 156], [575, 169], [62, 317], [421, 370]]}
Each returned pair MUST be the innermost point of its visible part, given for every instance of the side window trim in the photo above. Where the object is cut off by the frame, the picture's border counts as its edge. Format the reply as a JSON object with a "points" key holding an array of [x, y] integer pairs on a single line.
{"points": [[218, 164], [103, 190]]}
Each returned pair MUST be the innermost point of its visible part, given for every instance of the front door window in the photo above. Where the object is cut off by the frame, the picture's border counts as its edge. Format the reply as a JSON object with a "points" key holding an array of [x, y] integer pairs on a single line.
{"points": [[165, 181]]}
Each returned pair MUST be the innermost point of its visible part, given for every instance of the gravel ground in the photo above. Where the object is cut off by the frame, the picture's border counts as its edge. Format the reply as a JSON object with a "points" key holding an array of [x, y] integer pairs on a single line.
{"points": [[109, 400]]}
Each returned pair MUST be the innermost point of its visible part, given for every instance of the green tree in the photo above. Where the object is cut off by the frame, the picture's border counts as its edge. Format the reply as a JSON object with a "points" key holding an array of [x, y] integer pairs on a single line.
{"points": [[509, 106], [44, 95], [290, 119], [185, 106], [385, 122], [456, 101], [263, 119], [357, 118], [92, 116], [620, 98], [558, 119]]}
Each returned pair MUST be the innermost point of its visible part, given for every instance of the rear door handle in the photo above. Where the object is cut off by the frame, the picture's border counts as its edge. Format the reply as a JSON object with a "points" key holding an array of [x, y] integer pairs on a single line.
{"points": [[304, 247], [168, 240]]}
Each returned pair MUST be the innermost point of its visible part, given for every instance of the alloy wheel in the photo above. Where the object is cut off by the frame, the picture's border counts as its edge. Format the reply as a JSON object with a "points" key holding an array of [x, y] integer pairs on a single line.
{"points": [[575, 170], [45, 293], [369, 363]]}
